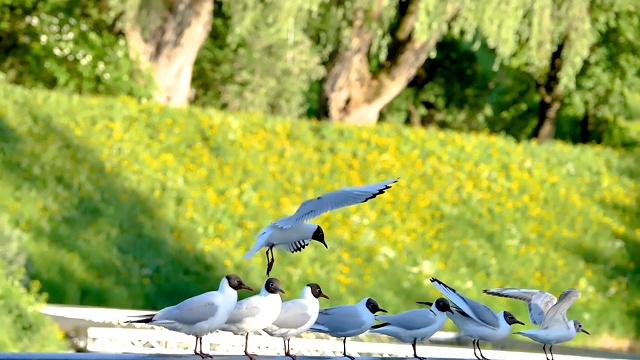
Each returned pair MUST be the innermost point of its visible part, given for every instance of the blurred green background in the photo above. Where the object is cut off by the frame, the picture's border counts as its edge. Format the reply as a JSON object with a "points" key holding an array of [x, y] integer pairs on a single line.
{"points": [[124, 185]]}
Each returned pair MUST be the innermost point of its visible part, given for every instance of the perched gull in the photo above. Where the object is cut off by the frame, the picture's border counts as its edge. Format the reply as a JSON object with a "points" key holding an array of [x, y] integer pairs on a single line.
{"points": [[548, 312], [477, 320], [293, 233], [414, 325], [347, 320], [554, 335], [297, 316], [199, 315], [255, 312]]}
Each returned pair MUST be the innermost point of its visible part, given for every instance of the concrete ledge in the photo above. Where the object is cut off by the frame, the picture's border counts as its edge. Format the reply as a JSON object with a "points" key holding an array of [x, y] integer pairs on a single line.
{"points": [[455, 354], [96, 356]]}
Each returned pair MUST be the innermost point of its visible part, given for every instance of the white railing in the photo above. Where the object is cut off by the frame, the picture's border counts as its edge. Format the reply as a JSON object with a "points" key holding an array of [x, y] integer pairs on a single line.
{"points": [[103, 330], [225, 343], [150, 341]]}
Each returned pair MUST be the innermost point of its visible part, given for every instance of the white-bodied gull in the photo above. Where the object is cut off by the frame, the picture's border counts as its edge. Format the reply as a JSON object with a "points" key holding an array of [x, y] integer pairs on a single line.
{"points": [[548, 312], [297, 316], [199, 315], [255, 312]]}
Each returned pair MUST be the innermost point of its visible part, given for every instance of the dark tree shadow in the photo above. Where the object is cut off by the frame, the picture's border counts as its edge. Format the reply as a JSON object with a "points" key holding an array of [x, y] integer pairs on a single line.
{"points": [[623, 266], [104, 244], [629, 216]]}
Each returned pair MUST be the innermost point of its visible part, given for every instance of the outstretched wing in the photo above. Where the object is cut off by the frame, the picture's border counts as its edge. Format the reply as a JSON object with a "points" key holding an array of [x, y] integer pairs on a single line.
{"points": [[557, 315], [538, 302], [344, 197]]}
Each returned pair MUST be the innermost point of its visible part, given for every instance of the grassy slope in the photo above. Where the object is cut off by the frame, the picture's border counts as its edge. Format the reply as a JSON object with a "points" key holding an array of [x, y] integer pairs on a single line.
{"points": [[135, 205]]}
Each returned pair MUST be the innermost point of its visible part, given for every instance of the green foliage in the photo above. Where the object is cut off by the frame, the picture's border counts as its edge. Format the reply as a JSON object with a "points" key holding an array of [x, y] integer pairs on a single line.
{"points": [[332, 23], [143, 206], [632, 100], [257, 58], [450, 91], [270, 57], [70, 45], [460, 90], [24, 328], [610, 73], [530, 31]]}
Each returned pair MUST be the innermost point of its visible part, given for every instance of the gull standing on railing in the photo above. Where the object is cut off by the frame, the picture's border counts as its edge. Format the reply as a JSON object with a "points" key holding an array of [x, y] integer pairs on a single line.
{"points": [[548, 312]]}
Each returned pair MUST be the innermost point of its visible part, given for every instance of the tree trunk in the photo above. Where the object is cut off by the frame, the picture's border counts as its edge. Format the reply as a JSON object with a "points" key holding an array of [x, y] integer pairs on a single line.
{"points": [[167, 40], [356, 96], [585, 128], [551, 99], [547, 119], [349, 76]]}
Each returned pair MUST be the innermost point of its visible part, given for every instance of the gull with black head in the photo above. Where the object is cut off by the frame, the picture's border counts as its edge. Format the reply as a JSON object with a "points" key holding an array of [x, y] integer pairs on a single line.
{"points": [[293, 233], [255, 312], [414, 325], [297, 316], [476, 320], [347, 320], [548, 312], [199, 315]]}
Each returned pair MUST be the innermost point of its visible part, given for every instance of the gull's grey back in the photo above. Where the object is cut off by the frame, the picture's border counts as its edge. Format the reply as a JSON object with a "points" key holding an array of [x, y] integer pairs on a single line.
{"points": [[411, 319], [341, 320]]}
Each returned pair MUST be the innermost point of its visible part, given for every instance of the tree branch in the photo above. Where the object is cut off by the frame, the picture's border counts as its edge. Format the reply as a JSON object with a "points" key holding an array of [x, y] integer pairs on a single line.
{"points": [[550, 89], [412, 53], [405, 28]]}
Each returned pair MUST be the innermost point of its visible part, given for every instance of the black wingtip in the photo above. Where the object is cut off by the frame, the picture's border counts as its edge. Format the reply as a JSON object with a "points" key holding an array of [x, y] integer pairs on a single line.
{"points": [[434, 280], [378, 326], [460, 311], [381, 191], [428, 303], [489, 292], [493, 293], [140, 321]]}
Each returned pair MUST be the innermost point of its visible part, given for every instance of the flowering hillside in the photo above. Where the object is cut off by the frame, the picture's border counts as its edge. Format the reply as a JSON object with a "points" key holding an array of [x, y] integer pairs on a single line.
{"points": [[135, 205]]}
